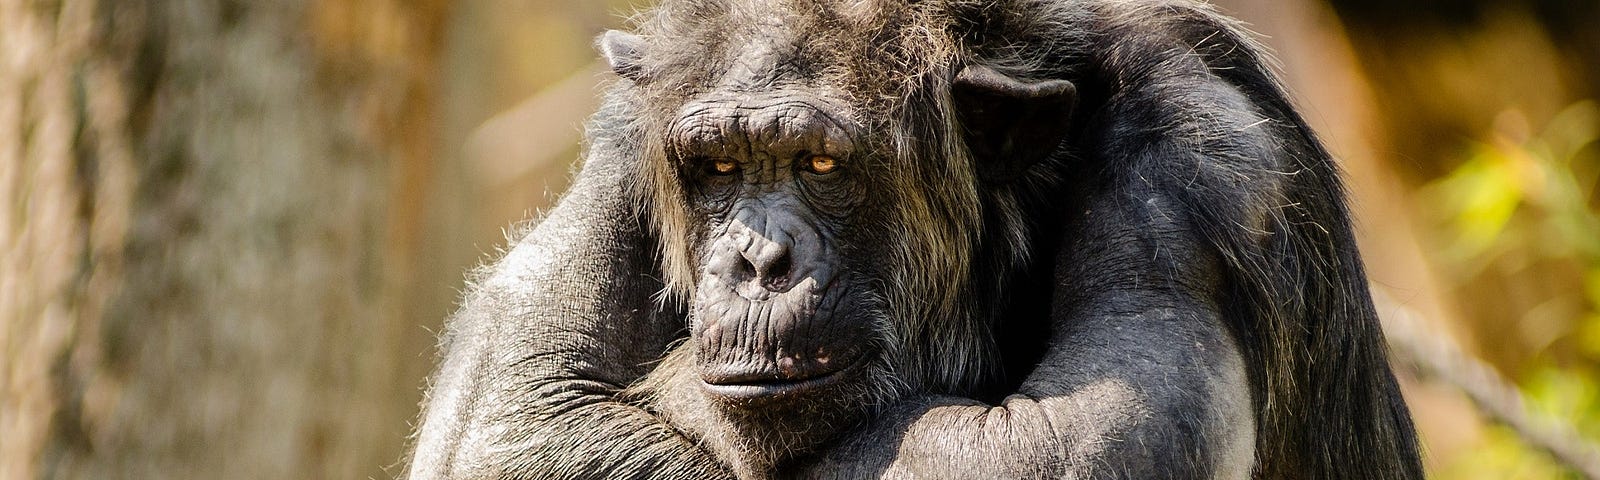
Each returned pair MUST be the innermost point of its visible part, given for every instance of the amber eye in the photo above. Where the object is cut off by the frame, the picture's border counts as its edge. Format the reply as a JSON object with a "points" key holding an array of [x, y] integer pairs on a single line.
{"points": [[723, 166], [821, 164]]}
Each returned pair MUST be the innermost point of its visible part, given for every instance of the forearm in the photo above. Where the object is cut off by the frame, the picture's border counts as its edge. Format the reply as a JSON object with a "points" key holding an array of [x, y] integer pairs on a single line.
{"points": [[599, 439], [1101, 406], [545, 412]]}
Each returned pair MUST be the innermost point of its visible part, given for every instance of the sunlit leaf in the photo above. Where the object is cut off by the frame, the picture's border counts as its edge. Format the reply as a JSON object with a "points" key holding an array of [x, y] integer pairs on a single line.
{"points": [[1480, 198]]}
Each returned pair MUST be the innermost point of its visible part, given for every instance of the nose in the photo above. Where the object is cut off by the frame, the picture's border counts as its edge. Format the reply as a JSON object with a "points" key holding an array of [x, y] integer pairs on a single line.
{"points": [[753, 263], [764, 262]]}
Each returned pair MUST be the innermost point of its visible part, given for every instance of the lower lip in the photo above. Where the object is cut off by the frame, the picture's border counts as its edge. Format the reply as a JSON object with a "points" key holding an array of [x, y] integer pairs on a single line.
{"points": [[767, 390]]}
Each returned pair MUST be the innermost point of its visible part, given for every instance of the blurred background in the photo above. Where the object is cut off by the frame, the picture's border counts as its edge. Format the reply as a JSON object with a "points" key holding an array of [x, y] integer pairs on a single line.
{"points": [[229, 230]]}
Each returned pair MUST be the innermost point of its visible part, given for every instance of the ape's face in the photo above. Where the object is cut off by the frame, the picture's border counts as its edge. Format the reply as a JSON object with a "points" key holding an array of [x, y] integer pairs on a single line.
{"points": [[778, 190], [820, 197]]}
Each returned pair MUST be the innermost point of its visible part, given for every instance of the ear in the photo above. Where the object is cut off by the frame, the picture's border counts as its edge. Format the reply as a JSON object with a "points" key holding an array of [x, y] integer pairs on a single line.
{"points": [[625, 52], [1011, 124]]}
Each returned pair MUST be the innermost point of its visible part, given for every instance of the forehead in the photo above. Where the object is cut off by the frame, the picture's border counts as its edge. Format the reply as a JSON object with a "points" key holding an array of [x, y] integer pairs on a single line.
{"points": [[767, 71], [777, 122], [758, 45]]}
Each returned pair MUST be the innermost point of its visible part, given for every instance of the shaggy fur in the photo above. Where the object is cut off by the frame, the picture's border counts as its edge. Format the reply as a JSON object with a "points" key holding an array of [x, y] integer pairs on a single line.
{"points": [[1174, 293], [897, 84]]}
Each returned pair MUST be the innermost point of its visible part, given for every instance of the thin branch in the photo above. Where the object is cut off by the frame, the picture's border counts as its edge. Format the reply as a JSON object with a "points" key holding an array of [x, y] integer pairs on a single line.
{"points": [[1435, 355]]}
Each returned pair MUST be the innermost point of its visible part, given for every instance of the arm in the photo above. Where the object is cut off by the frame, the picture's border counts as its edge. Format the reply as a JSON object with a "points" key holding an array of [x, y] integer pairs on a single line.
{"points": [[1142, 379], [544, 339]]}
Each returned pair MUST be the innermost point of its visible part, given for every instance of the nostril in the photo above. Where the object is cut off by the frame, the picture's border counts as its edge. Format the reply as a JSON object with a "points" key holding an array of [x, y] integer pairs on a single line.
{"points": [[777, 275], [779, 267], [742, 269]]}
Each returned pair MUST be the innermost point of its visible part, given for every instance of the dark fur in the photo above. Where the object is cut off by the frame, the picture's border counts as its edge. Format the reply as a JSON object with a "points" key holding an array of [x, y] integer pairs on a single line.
{"points": [[1191, 231]]}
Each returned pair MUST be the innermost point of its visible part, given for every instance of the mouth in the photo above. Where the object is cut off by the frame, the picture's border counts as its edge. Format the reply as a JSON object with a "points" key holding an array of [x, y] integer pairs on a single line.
{"points": [[765, 386]]}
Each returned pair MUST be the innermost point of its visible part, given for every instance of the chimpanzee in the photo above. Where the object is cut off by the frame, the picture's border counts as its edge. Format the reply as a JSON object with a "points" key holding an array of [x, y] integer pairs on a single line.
{"points": [[929, 239]]}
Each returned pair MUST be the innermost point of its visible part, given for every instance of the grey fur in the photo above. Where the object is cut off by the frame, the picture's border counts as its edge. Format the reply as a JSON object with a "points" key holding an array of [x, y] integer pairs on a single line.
{"points": [[1175, 293]]}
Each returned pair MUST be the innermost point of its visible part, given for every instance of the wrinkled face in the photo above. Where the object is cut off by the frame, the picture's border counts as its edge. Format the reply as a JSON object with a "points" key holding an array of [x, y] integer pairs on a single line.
{"points": [[818, 173], [776, 186]]}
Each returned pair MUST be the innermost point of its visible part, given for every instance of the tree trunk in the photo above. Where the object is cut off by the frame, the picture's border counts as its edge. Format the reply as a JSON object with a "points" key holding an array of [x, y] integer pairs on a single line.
{"points": [[208, 210]]}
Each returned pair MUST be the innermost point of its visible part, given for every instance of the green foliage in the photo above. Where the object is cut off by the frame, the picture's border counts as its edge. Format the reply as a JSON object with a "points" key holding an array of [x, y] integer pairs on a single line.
{"points": [[1529, 203]]}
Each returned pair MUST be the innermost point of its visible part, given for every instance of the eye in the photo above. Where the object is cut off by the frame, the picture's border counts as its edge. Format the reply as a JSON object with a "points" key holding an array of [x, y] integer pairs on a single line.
{"points": [[821, 164], [722, 166]]}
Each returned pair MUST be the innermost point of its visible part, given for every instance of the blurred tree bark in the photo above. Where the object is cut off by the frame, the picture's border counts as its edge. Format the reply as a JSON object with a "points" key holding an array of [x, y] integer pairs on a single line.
{"points": [[208, 210]]}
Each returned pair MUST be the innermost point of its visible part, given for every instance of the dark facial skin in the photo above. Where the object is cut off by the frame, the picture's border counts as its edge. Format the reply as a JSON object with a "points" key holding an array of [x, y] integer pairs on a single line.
{"points": [[777, 314]]}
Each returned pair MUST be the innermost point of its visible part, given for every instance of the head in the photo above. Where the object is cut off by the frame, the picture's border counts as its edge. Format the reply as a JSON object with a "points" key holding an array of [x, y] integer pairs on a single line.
{"points": [[823, 176]]}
